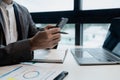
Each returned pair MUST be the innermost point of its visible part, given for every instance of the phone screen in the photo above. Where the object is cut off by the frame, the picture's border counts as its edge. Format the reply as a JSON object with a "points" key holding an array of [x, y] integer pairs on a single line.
{"points": [[62, 22]]}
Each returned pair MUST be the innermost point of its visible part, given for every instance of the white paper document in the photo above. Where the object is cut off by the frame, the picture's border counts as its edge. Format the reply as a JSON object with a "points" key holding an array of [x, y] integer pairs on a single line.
{"points": [[52, 55], [30, 72]]}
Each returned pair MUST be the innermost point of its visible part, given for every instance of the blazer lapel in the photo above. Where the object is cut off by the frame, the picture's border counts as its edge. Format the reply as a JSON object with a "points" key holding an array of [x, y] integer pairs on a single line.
{"points": [[19, 30], [2, 21], [2, 29]]}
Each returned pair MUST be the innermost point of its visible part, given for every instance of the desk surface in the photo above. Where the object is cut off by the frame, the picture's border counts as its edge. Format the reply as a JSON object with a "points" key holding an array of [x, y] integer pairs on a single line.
{"points": [[77, 72], [101, 72]]}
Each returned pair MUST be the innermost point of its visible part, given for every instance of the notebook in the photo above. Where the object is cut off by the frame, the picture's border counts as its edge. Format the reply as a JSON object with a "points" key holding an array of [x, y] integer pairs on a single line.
{"points": [[108, 54], [51, 55]]}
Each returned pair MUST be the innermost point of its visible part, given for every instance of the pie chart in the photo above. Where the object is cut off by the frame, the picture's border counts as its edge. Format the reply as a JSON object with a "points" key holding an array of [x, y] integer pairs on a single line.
{"points": [[31, 74]]}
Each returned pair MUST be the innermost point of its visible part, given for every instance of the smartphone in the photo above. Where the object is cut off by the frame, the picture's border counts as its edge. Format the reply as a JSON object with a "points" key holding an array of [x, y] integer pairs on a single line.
{"points": [[61, 76], [62, 23]]}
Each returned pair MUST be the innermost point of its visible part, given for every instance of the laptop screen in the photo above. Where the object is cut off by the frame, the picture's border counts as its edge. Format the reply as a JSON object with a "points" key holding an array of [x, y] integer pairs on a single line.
{"points": [[112, 42]]}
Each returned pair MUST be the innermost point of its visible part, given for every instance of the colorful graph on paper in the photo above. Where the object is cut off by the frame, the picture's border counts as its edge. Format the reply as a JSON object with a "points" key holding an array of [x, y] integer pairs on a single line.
{"points": [[27, 73]]}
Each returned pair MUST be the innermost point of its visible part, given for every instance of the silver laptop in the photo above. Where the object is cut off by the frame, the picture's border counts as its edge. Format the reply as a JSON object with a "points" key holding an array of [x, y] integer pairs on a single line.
{"points": [[108, 54]]}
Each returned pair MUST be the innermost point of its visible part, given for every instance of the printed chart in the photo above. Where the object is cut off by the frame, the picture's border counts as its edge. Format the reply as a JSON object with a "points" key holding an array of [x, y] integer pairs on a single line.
{"points": [[25, 72]]}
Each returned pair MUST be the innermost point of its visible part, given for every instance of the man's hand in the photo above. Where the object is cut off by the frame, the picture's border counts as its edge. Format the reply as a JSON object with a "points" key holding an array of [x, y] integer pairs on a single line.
{"points": [[49, 27], [45, 39]]}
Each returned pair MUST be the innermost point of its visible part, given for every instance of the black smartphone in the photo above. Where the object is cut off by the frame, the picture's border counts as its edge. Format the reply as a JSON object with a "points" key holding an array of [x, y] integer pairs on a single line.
{"points": [[61, 76], [62, 23]]}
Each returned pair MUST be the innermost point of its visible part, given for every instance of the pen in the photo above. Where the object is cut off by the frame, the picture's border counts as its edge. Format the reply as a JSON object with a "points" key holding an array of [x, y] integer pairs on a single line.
{"points": [[63, 32]]}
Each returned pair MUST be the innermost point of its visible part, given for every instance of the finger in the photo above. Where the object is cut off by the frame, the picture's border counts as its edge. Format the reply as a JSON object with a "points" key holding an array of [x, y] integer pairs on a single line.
{"points": [[55, 41], [54, 30], [55, 36], [49, 27], [54, 45]]}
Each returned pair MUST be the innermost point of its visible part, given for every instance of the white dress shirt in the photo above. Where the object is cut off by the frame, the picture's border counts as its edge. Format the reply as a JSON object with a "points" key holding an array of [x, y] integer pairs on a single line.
{"points": [[10, 22]]}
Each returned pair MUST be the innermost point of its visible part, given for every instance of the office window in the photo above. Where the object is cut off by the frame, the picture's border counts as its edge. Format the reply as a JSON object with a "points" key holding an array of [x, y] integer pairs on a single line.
{"points": [[100, 4], [65, 38], [47, 5], [94, 34]]}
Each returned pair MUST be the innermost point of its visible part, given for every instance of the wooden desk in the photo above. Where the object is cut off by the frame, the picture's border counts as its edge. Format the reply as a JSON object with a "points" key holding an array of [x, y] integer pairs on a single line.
{"points": [[101, 72]]}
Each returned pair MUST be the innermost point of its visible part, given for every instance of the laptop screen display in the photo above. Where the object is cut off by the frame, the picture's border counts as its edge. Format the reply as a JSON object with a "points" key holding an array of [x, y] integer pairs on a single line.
{"points": [[112, 42]]}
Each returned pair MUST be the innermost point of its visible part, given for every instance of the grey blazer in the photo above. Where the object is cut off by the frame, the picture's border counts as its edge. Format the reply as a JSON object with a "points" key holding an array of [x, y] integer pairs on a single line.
{"points": [[18, 51]]}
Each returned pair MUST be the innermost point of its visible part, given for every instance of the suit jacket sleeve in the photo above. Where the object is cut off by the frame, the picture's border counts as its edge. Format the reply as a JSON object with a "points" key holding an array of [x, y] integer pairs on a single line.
{"points": [[18, 51], [15, 53]]}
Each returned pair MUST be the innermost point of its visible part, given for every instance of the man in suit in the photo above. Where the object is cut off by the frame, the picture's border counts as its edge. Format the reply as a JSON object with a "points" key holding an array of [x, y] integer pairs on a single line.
{"points": [[19, 36]]}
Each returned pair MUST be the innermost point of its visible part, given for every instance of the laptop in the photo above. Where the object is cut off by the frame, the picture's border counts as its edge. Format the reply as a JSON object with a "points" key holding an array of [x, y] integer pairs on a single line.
{"points": [[108, 54]]}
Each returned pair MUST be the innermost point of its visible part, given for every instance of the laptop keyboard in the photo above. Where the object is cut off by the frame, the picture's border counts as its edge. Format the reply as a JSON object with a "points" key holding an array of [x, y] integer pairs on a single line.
{"points": [[102, 55]]}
